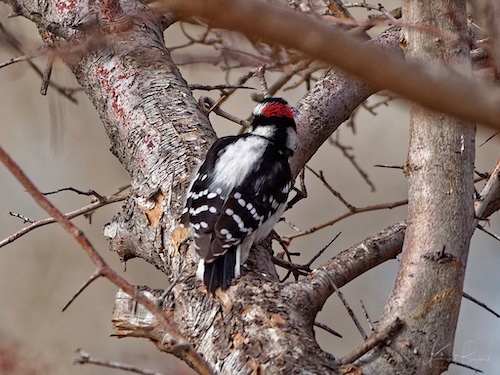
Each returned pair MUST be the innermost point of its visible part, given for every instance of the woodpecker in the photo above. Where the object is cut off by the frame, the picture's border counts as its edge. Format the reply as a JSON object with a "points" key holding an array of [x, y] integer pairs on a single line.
{"points": [[240, 191]]}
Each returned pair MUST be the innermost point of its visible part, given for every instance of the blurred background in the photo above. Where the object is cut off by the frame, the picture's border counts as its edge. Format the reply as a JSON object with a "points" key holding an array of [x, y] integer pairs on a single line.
{"points": [[60, 144]]}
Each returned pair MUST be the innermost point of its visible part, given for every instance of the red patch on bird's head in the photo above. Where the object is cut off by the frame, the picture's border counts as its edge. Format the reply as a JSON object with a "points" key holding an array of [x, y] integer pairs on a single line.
{"points": [[277, 110]]}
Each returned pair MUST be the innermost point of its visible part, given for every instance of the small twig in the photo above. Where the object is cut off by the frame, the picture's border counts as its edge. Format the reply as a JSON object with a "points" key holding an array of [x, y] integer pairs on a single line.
{"points": [[292, 267], [25, 219], [392, 21], [367, 317], [86, 358], [351, 313], [70, 215], [321, 177], [284, 78], [166, 292], [389, 166], [210, 105], [308, 264], [17, 45], [479, 303], [261, 74], [91, 279], [376, 339], [300, 194], [489, 139], [327, 329], [291, 225], [16, 60], [47, 74], [352, 160], [357, 210], [466, 366], [495, 236], [77, 191]]}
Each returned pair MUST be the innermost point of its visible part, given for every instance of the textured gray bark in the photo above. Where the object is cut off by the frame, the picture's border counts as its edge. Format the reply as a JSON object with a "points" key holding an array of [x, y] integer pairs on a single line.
{"points": [[440, 170], [158, 133]]}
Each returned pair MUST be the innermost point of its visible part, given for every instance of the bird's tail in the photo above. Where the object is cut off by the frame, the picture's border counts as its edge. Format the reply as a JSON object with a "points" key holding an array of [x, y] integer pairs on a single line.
{"points": [[220, 272]]}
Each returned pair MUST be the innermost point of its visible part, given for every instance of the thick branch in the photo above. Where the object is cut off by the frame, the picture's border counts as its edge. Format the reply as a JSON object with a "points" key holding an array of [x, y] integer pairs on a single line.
{"points": [[437, 90], [351, 263], [440, 169]]}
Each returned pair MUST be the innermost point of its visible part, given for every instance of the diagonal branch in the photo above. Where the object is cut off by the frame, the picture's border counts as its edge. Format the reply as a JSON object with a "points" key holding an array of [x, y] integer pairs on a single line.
{"points": [[351, 263], [446, 92], [179, 345]]}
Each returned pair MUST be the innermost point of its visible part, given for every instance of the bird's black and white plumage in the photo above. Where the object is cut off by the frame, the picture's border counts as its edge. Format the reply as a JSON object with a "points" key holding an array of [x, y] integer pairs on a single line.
{"points": [[240, 191]]}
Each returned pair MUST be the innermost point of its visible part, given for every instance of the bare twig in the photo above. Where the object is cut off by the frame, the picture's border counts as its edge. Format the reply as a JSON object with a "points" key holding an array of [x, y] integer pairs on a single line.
{"points": [[66, 92], [351, 313], [389, 166], [86, 358], [178, 344], [77, 191], [376, 339], [479, 303], [489, 139], [327, 329], [261, 74], [357, 210], [211, 105], [300, 194], [460, 364], [47, 73], [20, 58], [489, 233], [321, 177], [367, 317], [319, 253], [91, 279], [25, 219], [70, 215], [345, 151]]}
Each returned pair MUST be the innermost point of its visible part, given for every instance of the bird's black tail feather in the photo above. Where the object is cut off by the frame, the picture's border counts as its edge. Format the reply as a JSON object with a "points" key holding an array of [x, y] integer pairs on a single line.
{"points": [[220, 272]]}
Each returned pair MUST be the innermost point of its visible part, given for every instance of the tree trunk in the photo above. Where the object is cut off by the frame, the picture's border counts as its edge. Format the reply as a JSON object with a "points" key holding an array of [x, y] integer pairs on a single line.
{"points": [[440, 168]]}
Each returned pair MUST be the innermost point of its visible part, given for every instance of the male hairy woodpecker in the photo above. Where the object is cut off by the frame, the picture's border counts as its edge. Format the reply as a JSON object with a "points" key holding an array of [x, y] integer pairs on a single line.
{"points": [[240, 192]]}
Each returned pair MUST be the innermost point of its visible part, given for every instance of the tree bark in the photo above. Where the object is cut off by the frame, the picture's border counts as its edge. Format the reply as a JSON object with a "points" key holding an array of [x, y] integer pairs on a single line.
{"points": [[440, 170]]}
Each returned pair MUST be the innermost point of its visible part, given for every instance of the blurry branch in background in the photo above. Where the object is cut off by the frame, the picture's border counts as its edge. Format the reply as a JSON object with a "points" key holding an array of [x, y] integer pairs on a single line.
{"points": [[11, 40], [174, 340], [438, 90]]}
